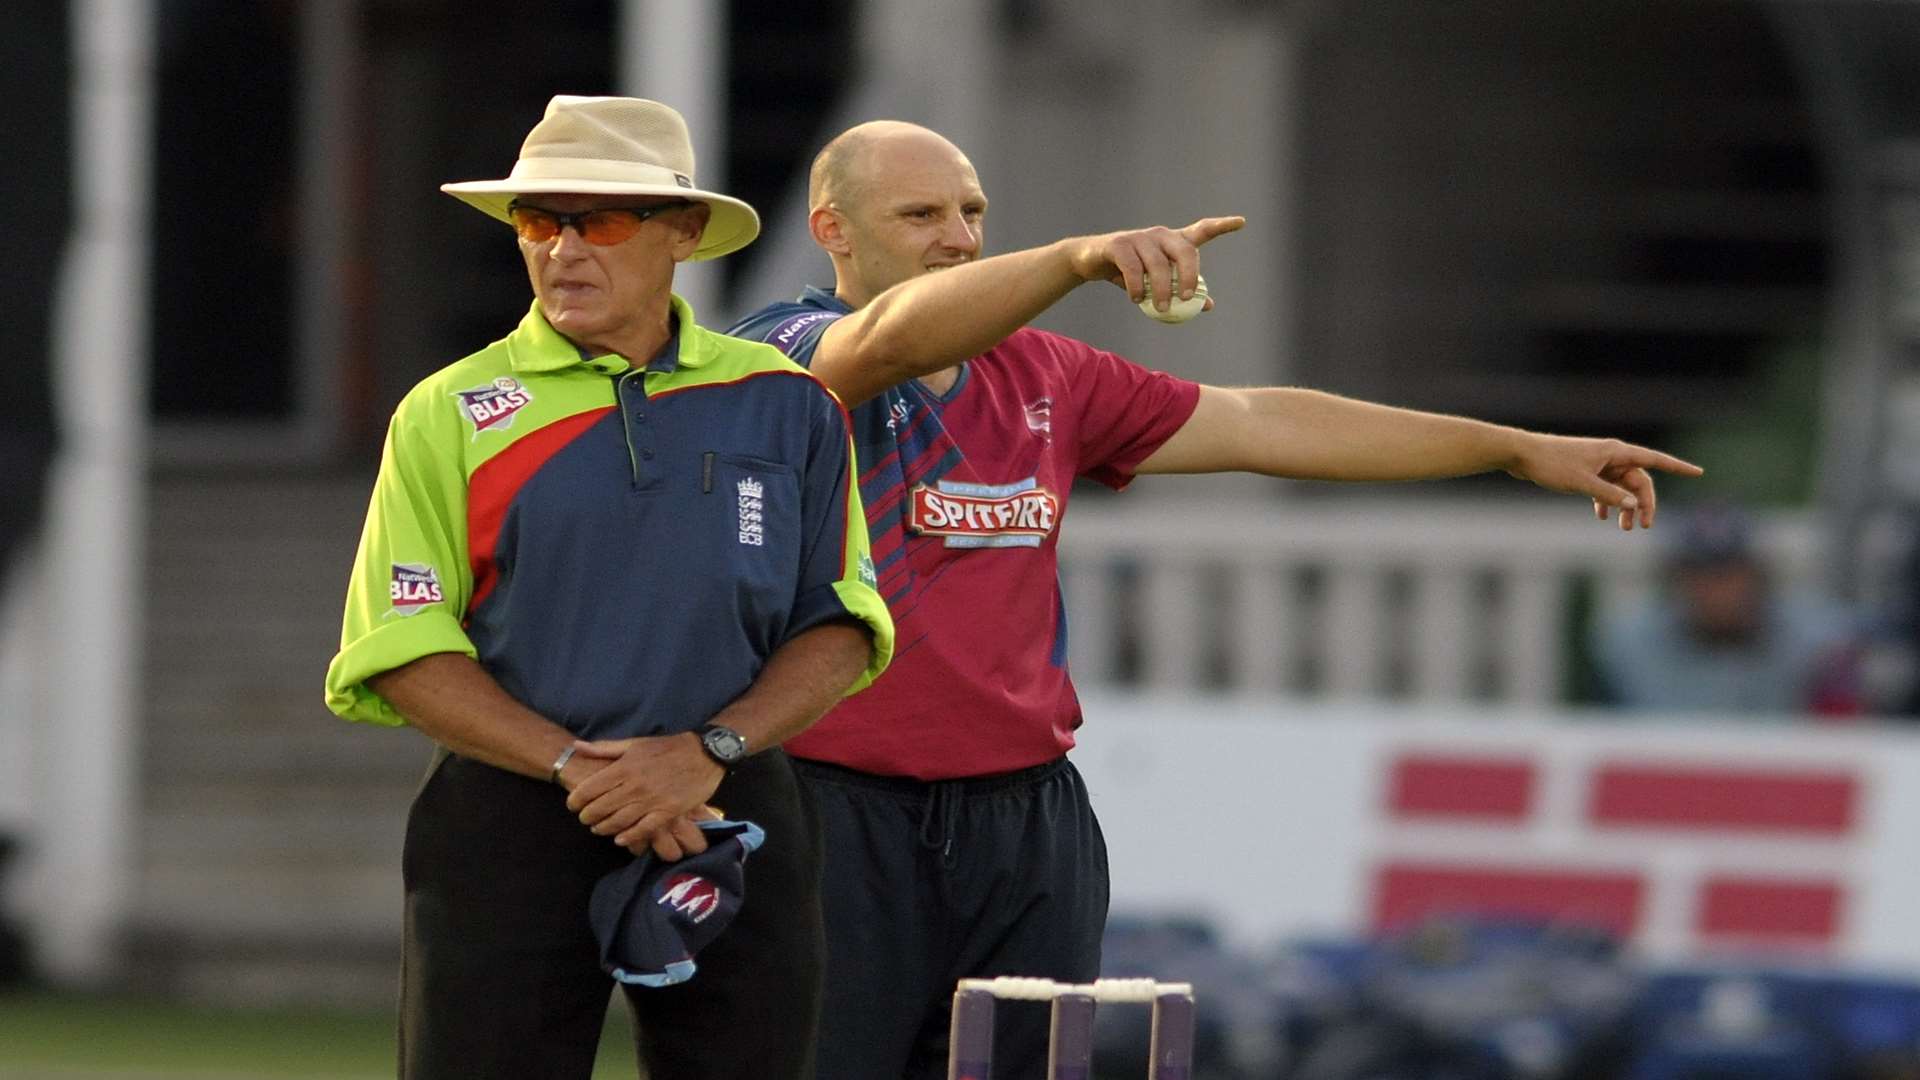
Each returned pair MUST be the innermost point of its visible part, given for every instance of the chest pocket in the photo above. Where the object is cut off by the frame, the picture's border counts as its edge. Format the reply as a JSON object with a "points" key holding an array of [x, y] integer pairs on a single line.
{"points": [[751, 521]]}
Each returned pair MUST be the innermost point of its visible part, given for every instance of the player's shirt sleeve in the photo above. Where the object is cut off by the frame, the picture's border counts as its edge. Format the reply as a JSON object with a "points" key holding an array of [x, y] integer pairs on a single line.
{"points": [[837, 578], [411, 582], [794, 329], [1126, 413]]}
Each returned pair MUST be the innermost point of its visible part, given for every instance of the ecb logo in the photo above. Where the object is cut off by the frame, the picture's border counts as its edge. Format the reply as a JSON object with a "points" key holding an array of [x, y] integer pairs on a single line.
{"points": [[752, 511]]}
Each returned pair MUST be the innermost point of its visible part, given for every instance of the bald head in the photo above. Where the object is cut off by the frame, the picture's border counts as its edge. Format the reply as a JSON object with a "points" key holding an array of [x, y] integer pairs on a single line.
{"points": [[846, 170], [890, 201]]}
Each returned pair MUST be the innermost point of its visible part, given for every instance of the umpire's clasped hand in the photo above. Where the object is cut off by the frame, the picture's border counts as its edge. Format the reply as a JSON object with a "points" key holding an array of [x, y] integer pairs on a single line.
{"points": [[648, 794]]}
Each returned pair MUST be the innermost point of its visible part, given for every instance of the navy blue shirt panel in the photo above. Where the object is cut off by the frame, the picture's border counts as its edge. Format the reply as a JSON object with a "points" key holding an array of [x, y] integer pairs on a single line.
{"points": [[900, 424], [692, 514]]}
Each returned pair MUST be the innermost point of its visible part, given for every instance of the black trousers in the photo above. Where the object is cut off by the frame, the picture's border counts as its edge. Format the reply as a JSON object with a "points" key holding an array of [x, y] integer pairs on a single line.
{"points": [[501, 975], [927, 883]]}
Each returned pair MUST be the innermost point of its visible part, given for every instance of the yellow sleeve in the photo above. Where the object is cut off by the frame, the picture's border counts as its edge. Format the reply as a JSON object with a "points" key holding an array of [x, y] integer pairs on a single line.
{"points": [[412, 580]]}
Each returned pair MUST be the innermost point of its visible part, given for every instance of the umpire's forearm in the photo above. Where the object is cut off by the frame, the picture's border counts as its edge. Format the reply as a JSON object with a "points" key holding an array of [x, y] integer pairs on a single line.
{"points": [[802, 680], [453, 701]]}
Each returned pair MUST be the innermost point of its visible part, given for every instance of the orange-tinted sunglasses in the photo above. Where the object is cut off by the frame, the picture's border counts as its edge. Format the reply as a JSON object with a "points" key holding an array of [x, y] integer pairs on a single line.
{"points": [[602, 227]]}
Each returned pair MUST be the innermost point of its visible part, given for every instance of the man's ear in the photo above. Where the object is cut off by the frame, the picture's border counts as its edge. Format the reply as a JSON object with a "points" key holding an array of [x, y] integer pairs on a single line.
{"points": [[829, 230], [688, 226]]}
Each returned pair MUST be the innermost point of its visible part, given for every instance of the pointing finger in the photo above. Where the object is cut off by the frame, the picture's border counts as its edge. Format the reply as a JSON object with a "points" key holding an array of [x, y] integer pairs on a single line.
{"points": [[1207, 228], [1654, 459]]}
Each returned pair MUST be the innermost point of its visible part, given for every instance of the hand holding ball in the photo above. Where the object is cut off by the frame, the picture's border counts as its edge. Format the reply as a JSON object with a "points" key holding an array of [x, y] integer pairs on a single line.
{"points": [[1178, 310]]}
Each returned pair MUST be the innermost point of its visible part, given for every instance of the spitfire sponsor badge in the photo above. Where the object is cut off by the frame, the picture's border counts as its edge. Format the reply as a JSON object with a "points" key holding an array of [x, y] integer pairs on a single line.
{"points": [[492, 407], [1020, 514], [414, 586]]}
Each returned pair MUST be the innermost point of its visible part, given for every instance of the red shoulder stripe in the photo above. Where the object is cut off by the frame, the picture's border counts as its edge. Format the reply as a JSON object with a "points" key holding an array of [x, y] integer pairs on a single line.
{"points": [[492, 487]]}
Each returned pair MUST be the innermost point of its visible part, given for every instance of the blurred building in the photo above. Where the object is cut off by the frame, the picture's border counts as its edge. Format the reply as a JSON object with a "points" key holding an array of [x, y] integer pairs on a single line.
{"points": [[1695, 223]]}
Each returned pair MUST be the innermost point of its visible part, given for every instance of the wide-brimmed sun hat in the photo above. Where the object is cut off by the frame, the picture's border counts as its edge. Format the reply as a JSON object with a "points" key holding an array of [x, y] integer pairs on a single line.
{"points": [[612, 146]]}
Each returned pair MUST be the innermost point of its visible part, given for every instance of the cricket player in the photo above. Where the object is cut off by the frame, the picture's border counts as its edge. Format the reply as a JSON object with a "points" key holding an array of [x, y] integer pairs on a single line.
{"points": [[960, 841]]}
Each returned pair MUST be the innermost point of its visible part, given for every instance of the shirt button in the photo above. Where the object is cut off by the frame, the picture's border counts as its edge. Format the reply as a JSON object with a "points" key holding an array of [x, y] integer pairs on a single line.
{"points": [[640, 415], [647, 454]]}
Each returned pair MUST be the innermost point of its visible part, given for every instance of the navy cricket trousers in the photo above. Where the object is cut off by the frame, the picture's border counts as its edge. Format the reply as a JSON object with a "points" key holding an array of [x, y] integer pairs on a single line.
{"points": [[928, 883], [501, 978]]}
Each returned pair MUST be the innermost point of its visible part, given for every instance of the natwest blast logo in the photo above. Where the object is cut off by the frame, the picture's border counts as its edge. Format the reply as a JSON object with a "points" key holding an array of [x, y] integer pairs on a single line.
{"points": [[1020, 514], [691, 896], [493, 406], [414, 586]]}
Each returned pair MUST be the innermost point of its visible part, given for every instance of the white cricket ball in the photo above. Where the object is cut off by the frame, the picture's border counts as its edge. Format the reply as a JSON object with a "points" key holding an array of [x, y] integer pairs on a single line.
{"points": [[1178, 311]]}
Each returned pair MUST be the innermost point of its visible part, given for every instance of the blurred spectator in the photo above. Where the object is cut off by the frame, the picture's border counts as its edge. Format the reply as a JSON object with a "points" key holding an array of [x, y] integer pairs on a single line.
{"points": [[1720, 637]]}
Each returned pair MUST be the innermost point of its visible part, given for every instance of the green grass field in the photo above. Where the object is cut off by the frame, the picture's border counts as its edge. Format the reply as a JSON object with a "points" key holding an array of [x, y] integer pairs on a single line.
{"points": [[61, 1037]]}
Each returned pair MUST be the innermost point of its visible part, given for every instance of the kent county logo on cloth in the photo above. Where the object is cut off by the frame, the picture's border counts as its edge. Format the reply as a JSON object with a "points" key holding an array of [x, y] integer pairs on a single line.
{"points": [[690, 896], [1020, 514], [414, 586], [1040, 418], [493, 406]]}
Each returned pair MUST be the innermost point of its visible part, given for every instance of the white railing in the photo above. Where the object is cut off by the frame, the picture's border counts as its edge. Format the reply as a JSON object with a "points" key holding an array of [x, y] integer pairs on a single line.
{"points": [[1435, 602]]}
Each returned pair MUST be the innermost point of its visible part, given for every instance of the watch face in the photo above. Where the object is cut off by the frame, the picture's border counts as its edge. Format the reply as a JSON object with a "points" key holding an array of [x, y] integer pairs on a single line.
{"points": [[727, 746]]}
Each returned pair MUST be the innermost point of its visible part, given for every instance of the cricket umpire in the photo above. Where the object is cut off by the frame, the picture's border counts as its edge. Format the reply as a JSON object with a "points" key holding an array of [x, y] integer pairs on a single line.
{"points": [[615, 525]]}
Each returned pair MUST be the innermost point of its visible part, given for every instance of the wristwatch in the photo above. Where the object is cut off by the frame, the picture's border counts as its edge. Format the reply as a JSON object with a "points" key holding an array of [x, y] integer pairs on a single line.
{"points": [[723, 744]]}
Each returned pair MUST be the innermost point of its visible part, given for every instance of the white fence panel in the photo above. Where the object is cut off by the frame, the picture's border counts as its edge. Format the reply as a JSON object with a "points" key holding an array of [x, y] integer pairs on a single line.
{"points": [[1437, 602]]}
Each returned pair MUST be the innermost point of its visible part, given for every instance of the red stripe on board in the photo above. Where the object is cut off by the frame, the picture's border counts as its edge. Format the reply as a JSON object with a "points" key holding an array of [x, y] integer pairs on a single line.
{"points": [[1426, 785], [491, 488], [1749, 800], [1406, 893], [1768, 908]]}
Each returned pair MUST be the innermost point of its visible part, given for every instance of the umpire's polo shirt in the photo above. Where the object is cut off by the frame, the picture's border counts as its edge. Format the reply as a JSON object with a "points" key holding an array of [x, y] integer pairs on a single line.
{"points": [[621, 548]]}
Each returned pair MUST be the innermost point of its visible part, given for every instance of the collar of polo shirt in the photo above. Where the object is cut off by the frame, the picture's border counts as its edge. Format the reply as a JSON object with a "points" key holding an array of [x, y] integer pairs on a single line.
{"points": [[544, 349]]}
